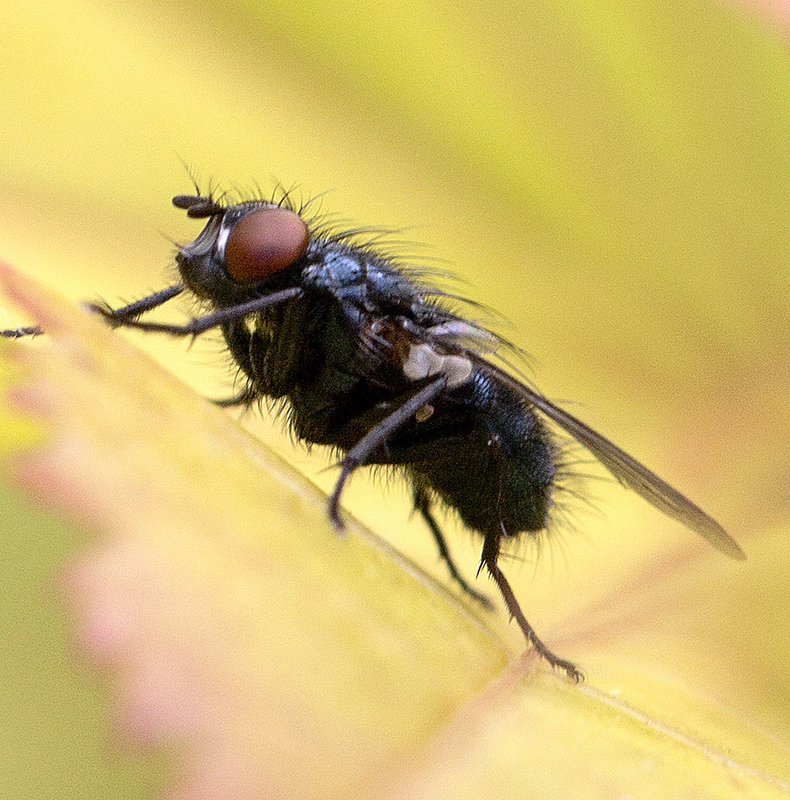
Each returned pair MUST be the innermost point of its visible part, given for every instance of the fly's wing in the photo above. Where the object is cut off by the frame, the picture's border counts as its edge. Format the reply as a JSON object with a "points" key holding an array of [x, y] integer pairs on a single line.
{"points": [[625, 468]]}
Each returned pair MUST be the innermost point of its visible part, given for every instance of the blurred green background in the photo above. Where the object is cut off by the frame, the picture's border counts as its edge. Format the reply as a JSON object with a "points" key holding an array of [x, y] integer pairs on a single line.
{"points": [[614, 178]]}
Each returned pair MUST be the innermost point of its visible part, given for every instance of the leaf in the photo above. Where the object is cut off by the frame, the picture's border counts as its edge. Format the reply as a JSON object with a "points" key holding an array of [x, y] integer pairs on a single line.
{"points": [[612, 178], [237, 624], [277, 659]]}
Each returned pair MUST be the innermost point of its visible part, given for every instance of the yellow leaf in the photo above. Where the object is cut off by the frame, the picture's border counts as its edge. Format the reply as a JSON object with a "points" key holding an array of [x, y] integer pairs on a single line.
{"points": [[613, 179], [279, 659]]}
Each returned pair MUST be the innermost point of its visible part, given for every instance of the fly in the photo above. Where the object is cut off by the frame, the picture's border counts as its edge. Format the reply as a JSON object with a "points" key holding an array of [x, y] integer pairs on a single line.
{"points": [[372, 362]]}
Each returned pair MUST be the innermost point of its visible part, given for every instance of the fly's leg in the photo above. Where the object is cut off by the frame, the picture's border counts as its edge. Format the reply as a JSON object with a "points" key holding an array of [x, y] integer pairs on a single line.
{"points": [[115, 316], [242, 398], [19, 333], [422, 503], [124, 315], [489, 560], [377, 436], [199, 325]]}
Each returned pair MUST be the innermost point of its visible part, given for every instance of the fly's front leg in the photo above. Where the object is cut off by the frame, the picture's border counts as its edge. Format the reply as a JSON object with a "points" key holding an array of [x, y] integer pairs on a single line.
{"points": [[199, 325], [115, 316], [20, 333], [489, 561], [377, 436], [124, 315]]}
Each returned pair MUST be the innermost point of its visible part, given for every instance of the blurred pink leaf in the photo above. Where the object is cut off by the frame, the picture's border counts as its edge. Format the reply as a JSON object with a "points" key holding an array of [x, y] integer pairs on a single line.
{"points": [[778, 10]]}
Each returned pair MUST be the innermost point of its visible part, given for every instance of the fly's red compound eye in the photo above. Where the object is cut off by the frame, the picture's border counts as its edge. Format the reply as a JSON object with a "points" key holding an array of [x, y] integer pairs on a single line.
{"points": [[264, 242]]}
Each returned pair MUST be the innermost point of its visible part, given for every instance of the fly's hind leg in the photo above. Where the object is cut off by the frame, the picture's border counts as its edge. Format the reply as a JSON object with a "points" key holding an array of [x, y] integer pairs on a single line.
{"points": [[422, 503], [489, 561]]}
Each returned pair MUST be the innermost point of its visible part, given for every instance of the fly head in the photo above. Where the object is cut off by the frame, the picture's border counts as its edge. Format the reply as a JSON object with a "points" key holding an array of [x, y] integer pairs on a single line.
{"points": [[241, 249]]}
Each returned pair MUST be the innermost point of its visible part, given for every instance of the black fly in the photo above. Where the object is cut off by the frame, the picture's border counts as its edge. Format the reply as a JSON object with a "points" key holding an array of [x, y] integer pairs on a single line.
{"points": [[370, 361]]}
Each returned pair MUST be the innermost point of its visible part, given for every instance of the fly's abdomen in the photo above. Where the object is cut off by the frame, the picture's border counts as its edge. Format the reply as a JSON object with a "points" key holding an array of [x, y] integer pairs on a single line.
{"points": [[498, 469]]}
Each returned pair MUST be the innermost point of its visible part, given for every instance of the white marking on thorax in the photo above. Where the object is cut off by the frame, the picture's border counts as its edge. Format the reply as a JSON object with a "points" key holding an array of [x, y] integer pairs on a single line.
{"points": [[423, 361]]}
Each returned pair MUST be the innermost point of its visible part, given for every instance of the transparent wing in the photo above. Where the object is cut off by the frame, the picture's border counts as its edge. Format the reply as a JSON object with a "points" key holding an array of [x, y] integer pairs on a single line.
{"points": [[625, 468]]}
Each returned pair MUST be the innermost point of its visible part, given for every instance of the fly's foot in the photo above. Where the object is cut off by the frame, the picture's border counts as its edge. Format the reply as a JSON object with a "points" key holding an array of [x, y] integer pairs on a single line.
{"points": [[568, 667]]}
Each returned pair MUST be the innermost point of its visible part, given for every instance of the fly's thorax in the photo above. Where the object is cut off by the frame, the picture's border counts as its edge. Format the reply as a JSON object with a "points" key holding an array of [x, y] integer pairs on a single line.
{"points": [[334, 269], [360, 276]]}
